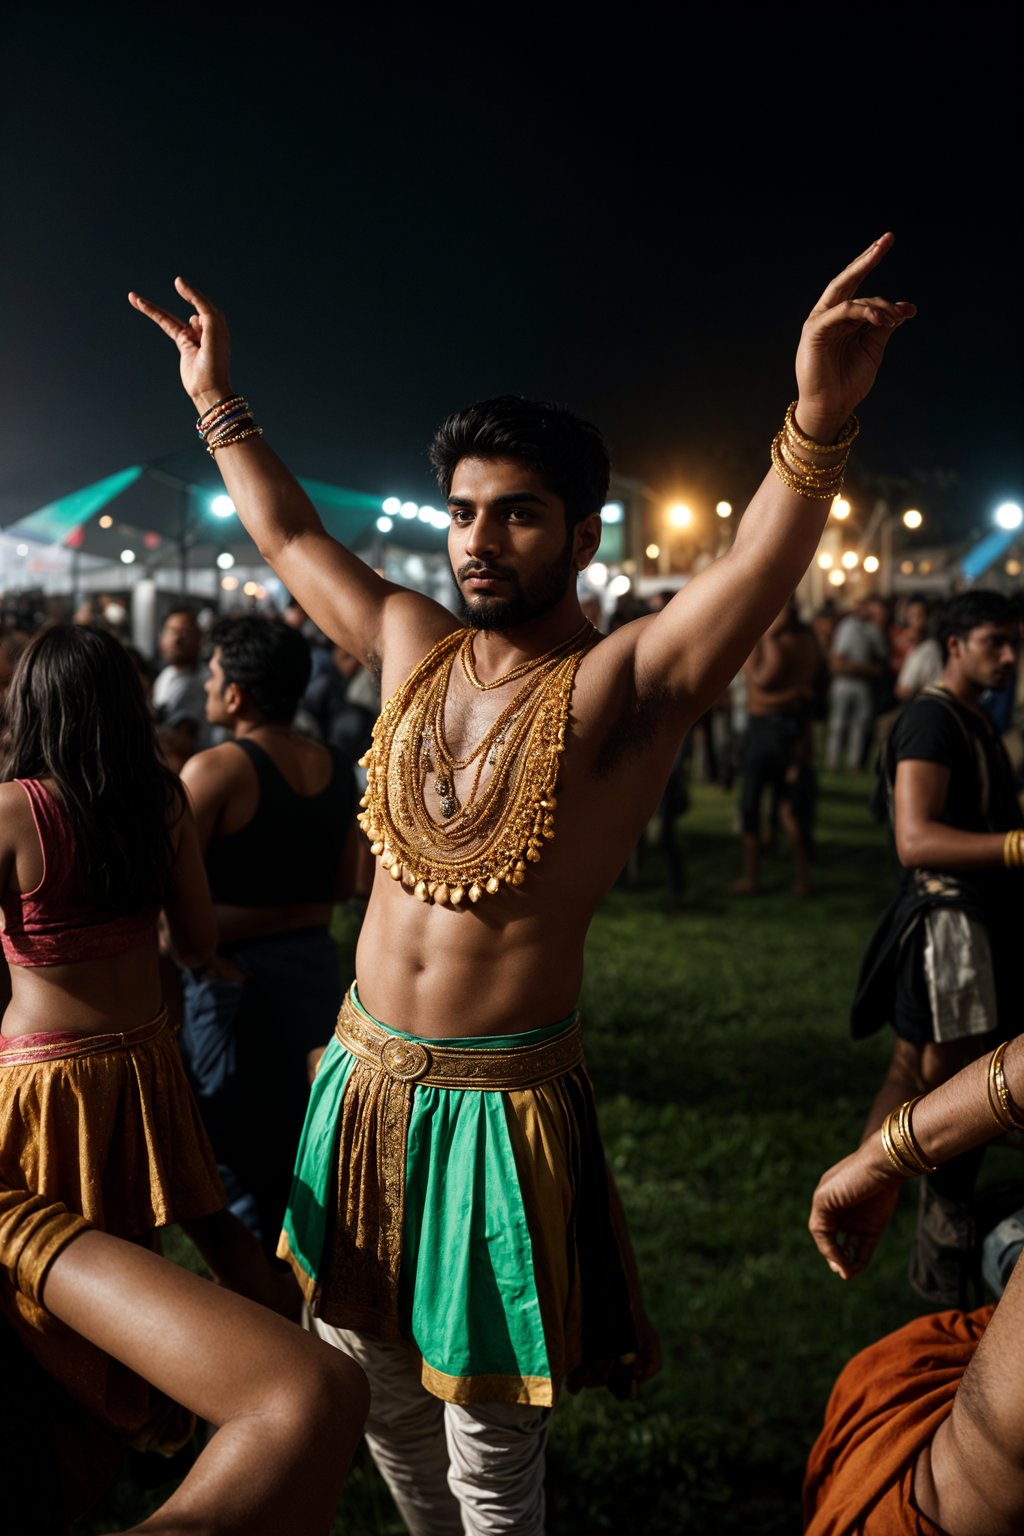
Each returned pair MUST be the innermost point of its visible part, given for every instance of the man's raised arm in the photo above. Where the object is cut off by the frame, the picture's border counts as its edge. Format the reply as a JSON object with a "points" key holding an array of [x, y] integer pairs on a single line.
{"points": [[347, 599], [697, 644]]}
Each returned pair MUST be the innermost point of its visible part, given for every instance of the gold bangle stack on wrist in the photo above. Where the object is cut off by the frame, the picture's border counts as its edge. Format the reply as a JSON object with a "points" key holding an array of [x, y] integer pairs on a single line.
{"points": [[900, 1144], [814, 470], [1008, 1116], [1013, 849]]}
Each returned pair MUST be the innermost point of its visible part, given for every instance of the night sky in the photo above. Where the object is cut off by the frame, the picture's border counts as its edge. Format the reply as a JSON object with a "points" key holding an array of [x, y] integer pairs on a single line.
{"points": [[405, 212]]}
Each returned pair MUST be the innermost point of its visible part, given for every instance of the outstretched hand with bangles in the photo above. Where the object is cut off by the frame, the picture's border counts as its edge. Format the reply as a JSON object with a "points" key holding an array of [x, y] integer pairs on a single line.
{"points": [[841, 346]]}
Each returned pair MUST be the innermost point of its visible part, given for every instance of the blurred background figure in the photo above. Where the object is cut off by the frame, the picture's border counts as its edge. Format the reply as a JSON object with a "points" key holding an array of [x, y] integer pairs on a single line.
{"points": [[275, 813], [782, 673], [920, 656], [179, 696], [858, 658]]}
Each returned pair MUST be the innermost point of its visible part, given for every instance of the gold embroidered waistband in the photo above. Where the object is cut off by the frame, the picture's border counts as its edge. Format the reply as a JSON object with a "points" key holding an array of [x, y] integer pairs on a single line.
{"points": [[437, 1065], [57, 1045]]}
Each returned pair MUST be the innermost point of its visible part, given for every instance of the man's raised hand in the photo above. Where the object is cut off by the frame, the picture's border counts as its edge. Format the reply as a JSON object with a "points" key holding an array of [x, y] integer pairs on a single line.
{"points": [[203, 343], [841, 346]]}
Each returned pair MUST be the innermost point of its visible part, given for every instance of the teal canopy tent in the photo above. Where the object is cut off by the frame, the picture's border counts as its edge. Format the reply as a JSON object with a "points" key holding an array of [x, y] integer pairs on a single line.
{"points": [[165, 513]]}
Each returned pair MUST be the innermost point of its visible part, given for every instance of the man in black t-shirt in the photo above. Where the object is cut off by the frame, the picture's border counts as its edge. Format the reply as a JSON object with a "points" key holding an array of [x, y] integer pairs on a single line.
{"points": [[945, 950]]}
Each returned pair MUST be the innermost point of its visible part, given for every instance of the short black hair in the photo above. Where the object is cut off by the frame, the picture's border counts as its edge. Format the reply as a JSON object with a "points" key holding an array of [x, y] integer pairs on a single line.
{"points": [[970, 611], [267, 659], [568, 453]]}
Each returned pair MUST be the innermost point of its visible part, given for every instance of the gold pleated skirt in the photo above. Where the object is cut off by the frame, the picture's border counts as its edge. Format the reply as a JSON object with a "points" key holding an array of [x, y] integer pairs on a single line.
{"points": [[107, 1126]]}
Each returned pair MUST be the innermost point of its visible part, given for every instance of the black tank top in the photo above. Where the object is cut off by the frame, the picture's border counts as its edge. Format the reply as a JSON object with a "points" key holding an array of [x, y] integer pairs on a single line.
{"points": [[289, 853]]}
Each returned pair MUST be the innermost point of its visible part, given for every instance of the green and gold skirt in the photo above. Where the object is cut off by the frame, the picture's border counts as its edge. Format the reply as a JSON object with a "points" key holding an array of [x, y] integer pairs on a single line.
{"points": [[453, 1195]]}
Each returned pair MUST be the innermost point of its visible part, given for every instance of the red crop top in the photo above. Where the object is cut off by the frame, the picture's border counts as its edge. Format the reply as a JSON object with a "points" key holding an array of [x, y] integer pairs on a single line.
{"points": [[50, 925]]}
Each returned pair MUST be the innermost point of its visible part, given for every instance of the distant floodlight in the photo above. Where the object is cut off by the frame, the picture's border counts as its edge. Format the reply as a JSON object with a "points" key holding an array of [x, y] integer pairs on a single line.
{"points": [[723, 508], [1009, 516], [913, 518], [391, 506], [22, 549], [680, 515], [1012, 567], [225, 560], [385, 524], [230, 583], [837, 578], [619, 586], [222, 506], [907, 567], [871, 563], [652, 551], [597, 574], [106, 521], [612, 512], [250, 589], [127, 557], [439, 519], [825, 561], [409, 509], [851, 559], [840, 508]]}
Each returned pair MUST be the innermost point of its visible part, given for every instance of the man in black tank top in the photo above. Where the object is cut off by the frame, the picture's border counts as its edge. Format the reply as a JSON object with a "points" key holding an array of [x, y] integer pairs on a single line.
{"points": [[274, 811], [942, 966]]}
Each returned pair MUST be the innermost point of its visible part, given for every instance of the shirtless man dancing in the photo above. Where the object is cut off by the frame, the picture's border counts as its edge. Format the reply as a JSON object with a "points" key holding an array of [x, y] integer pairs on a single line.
{"points": [[452, 1220]]}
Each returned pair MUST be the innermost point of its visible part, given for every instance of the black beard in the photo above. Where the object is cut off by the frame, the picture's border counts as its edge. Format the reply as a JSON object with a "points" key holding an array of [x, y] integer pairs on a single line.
{"points": [[547, 588]]}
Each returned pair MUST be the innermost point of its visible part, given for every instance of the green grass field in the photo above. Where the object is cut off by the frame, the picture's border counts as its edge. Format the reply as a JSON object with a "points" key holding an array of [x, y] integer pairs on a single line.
{"points": [[727, 1083]]}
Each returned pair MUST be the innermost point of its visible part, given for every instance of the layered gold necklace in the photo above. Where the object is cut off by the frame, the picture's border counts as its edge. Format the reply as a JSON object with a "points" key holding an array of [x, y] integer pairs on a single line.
{"points": [[488, 838]]}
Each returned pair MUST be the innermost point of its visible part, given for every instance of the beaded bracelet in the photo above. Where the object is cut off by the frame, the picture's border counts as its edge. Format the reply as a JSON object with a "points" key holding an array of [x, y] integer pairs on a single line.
{"points": [[239, 437], [242, 414], [816, 481], [216, 406], [844, 440], [809, 483]]}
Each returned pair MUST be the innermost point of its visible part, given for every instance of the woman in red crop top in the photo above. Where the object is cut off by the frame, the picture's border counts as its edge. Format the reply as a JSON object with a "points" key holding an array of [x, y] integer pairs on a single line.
{"points": [[95, 837]]}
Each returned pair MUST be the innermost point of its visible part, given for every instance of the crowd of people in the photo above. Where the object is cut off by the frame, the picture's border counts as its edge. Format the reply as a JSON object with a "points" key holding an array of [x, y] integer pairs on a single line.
{"points": [[438, 1205]]}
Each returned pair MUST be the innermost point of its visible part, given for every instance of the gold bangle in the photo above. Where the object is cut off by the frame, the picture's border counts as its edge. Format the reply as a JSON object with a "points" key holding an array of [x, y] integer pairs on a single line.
{"points": [[1013, 848], [844, 440], [890, 1150], [910, 1142], [801, 467], [1003, 1108], [895, 1150], [804, 484]]}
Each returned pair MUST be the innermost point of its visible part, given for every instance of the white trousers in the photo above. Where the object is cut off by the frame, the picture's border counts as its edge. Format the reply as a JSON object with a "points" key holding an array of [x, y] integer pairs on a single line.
{"points": [[477, 1470]]}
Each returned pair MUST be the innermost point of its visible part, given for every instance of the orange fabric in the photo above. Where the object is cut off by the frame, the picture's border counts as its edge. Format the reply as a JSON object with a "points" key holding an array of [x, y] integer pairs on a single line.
{"points": [[884, 1408]]}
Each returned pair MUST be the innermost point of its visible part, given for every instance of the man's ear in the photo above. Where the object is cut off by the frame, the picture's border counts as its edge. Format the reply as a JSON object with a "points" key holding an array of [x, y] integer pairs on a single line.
{"points": [[233, 698], [586, 538]]}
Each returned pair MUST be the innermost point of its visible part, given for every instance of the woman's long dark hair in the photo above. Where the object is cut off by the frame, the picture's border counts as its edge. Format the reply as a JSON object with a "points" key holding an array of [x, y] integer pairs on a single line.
{"points": [[76, 714]]}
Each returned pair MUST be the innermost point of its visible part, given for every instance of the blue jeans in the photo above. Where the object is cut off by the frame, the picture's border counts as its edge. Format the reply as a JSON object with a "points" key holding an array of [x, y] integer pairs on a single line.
{"points": [[245, 1046]]}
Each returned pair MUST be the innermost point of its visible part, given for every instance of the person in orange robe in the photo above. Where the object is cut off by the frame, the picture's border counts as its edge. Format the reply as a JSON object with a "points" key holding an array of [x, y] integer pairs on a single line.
{"points": [[924, 1431]]}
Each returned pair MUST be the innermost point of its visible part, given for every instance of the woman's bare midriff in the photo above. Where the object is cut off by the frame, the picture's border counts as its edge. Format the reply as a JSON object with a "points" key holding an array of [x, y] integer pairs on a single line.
{"points": [[89, 997]]}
